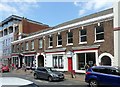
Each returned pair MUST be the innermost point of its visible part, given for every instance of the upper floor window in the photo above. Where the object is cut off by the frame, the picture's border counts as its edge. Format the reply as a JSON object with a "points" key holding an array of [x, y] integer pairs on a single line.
{"points": [[59, 40], [22, 46], [13, 48], [40, 43], [50, 41], [32, 44], [99, 33], [18, 47], [83, 35], [26, 45], [70, 38]]}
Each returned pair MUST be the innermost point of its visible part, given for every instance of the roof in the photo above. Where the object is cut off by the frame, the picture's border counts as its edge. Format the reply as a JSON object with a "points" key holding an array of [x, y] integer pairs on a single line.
{"points": [[101, 13], [19, 18]]}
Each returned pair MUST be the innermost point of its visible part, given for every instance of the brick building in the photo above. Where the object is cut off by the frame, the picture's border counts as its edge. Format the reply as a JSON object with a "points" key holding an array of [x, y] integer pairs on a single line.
{"points": [[92, 39], [15, 28]]}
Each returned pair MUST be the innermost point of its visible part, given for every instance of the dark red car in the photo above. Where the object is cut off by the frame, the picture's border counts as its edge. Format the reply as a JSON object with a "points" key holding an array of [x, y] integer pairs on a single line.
{"points": [[5, 68]]}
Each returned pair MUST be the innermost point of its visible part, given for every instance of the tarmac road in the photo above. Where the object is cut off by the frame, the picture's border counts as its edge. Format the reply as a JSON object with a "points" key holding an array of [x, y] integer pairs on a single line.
{"points": [[45, 83]]}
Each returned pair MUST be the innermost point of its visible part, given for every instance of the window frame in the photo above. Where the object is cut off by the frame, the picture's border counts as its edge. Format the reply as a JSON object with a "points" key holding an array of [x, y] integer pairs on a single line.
{"points": [[50, 41], [58, 40], [69, 38], [80, 36], [101, 40], [58, 61], [32, 45], [26, 46], [40, 43]]}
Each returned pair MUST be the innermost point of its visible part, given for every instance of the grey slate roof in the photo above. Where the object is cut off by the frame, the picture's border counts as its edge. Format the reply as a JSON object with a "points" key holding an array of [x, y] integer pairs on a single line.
{"points": [[105, 12]]}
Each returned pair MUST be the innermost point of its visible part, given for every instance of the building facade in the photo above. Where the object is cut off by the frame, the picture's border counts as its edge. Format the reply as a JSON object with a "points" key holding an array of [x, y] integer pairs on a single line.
{"points": [[71, 45], [15, 28], [93, 39]]}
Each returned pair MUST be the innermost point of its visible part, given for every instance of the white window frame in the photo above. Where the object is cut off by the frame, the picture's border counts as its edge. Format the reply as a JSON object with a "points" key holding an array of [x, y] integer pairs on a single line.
{"points": [[32, 45], [68, 38], [96, 37], [40, 43], [50, 41], [80, 36], [59, 40], [58, 61], [26, 46]]}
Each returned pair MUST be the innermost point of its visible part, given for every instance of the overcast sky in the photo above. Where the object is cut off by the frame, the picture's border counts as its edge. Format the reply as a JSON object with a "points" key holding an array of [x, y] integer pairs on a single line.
{"points": [[51, 12]]}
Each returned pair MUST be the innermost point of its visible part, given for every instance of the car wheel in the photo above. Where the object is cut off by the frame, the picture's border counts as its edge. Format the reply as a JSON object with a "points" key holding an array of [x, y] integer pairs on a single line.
{"points": [[35, 76], [93, 83], [50, 79]]}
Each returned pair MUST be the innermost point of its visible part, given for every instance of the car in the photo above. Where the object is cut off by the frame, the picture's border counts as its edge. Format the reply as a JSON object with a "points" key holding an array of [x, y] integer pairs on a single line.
{"points": [[48, 73], [5, 68], [16, 82], [103, 75]]}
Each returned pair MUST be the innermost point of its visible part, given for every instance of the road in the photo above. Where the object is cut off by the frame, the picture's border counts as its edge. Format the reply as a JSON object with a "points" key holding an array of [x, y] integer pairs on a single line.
{"points": [[45, 83]]}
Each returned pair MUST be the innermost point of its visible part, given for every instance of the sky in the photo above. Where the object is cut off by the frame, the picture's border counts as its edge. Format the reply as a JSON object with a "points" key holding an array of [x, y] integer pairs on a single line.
{"points": [[52, 12]]}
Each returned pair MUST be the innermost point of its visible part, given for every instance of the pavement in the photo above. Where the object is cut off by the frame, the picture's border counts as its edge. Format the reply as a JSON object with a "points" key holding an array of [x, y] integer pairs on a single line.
{"points": [[78, 77]]}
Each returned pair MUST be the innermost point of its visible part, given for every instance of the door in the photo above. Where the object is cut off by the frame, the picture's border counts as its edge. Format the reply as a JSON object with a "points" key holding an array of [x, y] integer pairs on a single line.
{"points": [[69, 64]]}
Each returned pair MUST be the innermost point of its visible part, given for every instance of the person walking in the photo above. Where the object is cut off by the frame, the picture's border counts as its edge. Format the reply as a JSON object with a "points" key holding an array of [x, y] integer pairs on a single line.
{"points": [[24, 67], [86, 66]]}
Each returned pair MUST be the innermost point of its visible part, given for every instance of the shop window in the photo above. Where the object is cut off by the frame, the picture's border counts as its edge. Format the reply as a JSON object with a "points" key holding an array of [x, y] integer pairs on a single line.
{"points": [[58, 61], [70, 38], [99, 33], [59, 38], [83, 35], [29, 61], [85, 58]]}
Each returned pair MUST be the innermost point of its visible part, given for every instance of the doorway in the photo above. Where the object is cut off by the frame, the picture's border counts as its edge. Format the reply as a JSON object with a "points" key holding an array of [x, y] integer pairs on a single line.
{"points": [[105, 60], [40, 61], [69, 64]]}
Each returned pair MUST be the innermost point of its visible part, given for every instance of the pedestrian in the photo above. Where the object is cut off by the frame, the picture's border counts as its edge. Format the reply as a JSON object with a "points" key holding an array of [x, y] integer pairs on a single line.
{"points": [[24, 67], [16, 66], [86, 67], [13, 66]]}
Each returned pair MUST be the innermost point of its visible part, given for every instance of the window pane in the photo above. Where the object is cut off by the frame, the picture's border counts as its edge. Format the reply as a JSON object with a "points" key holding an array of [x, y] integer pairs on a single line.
{"points": [[70, 40], [100, 36], [50, 41], [90, 59], [83, 39], [83, 32], [81, 61], [59, 42], [99, 29], [70, 34], [40, 43], [51, 44]]}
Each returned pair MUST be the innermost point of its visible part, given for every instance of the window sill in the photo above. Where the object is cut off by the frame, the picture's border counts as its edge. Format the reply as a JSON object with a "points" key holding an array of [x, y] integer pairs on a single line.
{"points": [[83, 43], [69, 44], [50, 47], [59, 46], [98, 41]]}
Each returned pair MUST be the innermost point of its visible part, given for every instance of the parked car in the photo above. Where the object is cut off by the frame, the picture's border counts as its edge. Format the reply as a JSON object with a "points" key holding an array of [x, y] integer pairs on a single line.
{"points": [[5, 68], [103, 75], [48, 73], [16, 82]]}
